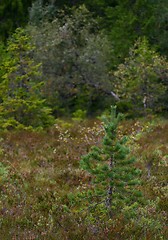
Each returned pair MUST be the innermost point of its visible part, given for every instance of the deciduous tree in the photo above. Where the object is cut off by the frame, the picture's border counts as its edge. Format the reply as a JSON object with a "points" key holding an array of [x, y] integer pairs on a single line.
{"points": [[75, 60], [142, 80]]}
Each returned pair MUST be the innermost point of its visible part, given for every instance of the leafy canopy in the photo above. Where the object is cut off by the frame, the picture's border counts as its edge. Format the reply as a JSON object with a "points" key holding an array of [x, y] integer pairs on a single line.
{"points": [[142, 80]]}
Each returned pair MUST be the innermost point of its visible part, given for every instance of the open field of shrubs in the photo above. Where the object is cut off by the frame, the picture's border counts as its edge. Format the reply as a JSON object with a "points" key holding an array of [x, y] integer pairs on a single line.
{"points": [[40, 174]]}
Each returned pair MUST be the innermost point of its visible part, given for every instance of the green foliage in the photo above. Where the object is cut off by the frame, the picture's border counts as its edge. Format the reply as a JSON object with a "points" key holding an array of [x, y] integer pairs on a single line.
{"points": [[123, 21], [126, 21], [114, 174], [21, 104], [13, 14], [78, 57], [40, 12], [3, 173], [142, 80], [3, 55], [79, 115], [75, 60], [147, 224]]}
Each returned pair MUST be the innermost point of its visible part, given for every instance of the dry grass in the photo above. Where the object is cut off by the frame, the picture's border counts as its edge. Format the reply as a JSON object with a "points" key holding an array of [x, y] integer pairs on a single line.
{"points": [[44, 168]]}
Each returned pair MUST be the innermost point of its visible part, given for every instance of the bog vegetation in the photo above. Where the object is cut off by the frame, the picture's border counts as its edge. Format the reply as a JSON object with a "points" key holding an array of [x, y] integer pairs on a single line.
{"points": [[83, 120]]}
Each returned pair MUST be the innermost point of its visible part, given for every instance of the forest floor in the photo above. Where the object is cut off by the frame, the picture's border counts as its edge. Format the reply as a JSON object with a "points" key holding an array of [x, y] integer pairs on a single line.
{"points": [[39, 170]]}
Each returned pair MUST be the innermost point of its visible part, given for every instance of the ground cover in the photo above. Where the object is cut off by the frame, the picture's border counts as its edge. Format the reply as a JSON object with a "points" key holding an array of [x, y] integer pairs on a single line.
{"points": [[38, 171]]}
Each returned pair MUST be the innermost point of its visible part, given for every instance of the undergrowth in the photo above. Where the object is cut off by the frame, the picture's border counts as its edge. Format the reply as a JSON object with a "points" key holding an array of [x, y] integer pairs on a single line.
{"points": [[38, 171]]}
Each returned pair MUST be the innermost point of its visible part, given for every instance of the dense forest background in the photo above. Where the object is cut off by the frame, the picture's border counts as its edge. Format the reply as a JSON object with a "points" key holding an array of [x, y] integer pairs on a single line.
{"points": [[83, 119], [90, 55]]}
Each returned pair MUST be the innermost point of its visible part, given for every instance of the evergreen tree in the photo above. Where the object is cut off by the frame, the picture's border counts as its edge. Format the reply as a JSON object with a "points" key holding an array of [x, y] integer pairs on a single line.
{"points": [[114, 176], [3, 55], [21, 103]]}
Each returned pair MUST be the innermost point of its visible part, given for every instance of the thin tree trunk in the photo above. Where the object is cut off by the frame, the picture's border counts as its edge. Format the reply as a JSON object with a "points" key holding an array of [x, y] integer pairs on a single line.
{"points": [[110, 192]]}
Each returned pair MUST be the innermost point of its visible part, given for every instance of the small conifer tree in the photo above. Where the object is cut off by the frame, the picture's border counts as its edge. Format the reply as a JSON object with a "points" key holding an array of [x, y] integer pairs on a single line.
{"points": [[114, 176]]}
